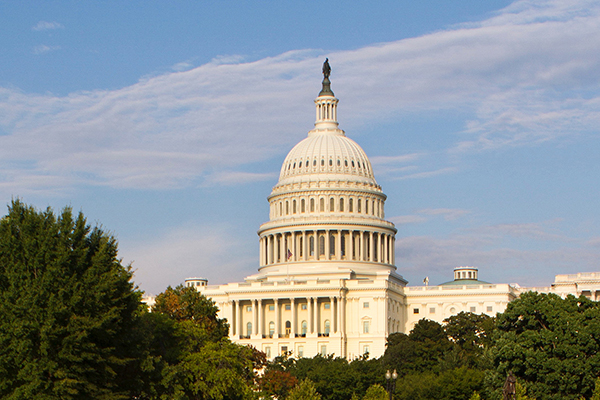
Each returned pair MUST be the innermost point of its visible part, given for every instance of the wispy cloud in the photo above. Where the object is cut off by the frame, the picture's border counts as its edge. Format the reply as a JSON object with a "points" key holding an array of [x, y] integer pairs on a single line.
{"points": [[449, 214], [529, 74], [42, 49], [45, 25]]}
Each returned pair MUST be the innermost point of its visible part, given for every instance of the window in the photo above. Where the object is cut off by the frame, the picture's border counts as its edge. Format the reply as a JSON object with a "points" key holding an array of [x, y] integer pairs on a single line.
{"points": [[358, 206], [350, 205], [332, 204], [452, 310], [294, 207], [331, 245], [248, 308], [366, 326], [327, 326], [489, 308], [366, 206], [302, 204], [473, 309], [271, 328], [314, 162], [322, 204], [322, 162], [432, 310], [312, 205], [283, 349], [304, 327], [312, 245], [366, 350], [323, 350], [287, 207], [288, 307], [366, 304], [321, 244], [300, 351], [339, 163], [288, 327], [249, 329], [415, 310], [327, 306], [268, 351], [280, 208], [330, 162], [303, 306], [271, 307]]}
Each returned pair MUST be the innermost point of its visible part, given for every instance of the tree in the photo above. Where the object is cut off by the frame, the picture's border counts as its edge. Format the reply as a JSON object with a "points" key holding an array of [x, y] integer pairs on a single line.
{"points": [[195, 357], [68, 309], [305, 390], [551, 344], [472, 334], [376, 392], [277, 383]]}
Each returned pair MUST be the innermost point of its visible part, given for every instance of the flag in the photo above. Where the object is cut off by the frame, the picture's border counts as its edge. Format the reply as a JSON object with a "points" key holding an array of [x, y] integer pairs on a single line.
{"points": [[289, 255]]}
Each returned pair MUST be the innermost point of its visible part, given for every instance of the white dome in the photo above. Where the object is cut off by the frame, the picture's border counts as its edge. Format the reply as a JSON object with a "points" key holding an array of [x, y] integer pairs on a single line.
{"points": [[325, 156]]}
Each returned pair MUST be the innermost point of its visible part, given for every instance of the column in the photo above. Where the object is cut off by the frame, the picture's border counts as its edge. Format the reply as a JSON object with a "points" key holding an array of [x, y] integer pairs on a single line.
{"points": [[351, 254], [304, 246], [254, 327], [338, 315], [361, 246], [293, 332], [260, 330], [269, 257], [277, 322], [393, 250], [316, 322], [232, 319], [386, 258], [338, 245], [294, 246], [282, 251], [327, 233], [240, 331], [332, 328], [371, 247], [310, 314]]}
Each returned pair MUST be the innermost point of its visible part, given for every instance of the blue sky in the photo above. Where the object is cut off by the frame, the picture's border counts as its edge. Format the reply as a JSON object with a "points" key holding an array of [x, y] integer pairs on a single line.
{"points": [[167, 124]]}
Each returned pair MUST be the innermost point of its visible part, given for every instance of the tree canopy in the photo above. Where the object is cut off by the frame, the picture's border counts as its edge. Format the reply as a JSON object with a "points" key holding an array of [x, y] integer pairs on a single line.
{"points": [[67, 308]]}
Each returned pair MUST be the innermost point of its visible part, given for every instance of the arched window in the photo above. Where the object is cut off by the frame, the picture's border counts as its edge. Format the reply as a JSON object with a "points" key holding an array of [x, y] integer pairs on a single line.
{"points": [[331, 245], [351, 205], [301, 246], [327, 327], [321, 245], [366, 206], [332, 204], [287, 207], [342, 205], [312, 205], [302, 205], [312, 245], [294, 206], [249, 329], [322, 204], [280, 209], [315, 162], [288, 328], [358, 206], [330, 162], [373, 207], [345, 163], [343, 244], [304, 327], [271, 329], [322, 162], [339, 163]]}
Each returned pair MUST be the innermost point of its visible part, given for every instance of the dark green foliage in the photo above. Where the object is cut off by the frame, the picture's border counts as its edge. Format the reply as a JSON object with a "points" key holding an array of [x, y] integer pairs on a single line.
{"points": [[421, 350], [472, 334], [189, 354], [304, 391], [456, 384], [551, 344], [67, 309], [334, 378]]}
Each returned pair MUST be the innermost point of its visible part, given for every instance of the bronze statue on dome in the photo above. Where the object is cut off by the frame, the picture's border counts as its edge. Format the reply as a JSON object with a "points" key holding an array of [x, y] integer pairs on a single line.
{"points": [[326, 68]]}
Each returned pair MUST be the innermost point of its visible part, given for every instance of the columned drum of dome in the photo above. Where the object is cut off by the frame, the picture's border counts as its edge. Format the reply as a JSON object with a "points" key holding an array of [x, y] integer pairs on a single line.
{"points": [[327, 208]]}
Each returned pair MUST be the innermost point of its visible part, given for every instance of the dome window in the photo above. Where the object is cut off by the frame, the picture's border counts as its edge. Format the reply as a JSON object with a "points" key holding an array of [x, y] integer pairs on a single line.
{"points": [[339, 163], [352, 163], [322, 162], [314, 163], [294, 167], [330, 163], [306, 163], [346, 163]]}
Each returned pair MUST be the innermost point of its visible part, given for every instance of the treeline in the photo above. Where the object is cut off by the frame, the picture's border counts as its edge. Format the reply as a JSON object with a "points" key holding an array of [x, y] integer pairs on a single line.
{"points": [[72, 326]]}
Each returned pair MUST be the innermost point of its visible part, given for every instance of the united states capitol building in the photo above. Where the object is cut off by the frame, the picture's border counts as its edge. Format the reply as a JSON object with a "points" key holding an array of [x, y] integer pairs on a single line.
{"points": [[326, 281]]}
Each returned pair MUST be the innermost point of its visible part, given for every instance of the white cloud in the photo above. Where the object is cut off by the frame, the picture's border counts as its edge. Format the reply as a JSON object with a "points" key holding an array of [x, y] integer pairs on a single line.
{"points": [[449, 214], [529, 74], [211, 252], [45, 25], [407, 219], [42, 49]]}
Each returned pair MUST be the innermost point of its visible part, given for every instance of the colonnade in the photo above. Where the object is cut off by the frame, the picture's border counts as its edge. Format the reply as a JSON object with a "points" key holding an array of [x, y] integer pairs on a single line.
{"points": [[288, 317], [327, 244]]}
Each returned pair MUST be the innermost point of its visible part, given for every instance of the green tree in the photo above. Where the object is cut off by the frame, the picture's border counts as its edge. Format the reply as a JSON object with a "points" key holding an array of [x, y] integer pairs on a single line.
{"points": [[551, 344], [596, 393], [376, 392], [189, 346], [472, 335], [305, 390], [277, 383], [68, 309]]}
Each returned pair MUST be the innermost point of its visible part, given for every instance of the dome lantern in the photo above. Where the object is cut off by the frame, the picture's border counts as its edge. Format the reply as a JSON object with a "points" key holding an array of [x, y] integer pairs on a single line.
{"points": [[326, 104]]}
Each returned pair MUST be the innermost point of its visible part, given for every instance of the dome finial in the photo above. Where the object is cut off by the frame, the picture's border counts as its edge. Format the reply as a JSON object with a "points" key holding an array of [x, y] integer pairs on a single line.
{"points": [[326, 91]]}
